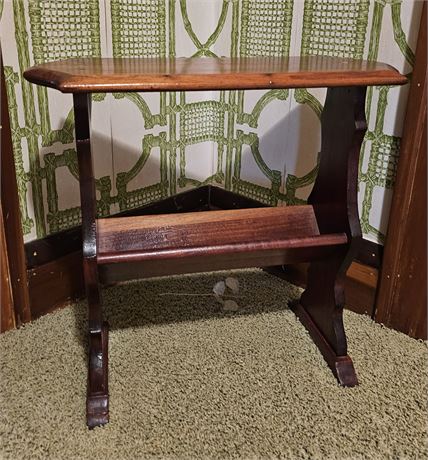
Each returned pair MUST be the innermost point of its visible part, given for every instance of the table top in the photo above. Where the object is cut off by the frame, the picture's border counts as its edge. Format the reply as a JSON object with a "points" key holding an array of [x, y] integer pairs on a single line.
{"points": [[180, 74]]}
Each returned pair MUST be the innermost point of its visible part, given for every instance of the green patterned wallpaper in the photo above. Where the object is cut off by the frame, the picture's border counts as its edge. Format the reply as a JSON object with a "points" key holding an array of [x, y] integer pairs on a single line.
{"points": [[149, 146]]}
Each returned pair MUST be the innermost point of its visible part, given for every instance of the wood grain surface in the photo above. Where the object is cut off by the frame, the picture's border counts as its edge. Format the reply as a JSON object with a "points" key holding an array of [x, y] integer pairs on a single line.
{"points": [[402, 297], [164, 74], [12, 216], [210, 232], [325, 232], [7, 311]]}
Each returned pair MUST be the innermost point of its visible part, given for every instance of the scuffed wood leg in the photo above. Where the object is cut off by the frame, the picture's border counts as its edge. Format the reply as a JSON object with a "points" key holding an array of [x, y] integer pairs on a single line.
{"points": [[97, 410], [320, 311], [97, 406], [334, 198], [97, 403]]}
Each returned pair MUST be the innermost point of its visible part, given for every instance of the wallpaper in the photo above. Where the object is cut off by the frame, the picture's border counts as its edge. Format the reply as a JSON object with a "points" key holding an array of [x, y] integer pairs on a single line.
{"points": [[263, 144]]}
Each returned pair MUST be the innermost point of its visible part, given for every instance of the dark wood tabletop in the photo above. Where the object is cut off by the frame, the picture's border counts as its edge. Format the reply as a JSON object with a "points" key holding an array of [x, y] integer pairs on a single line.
{"points": [[325, 232], [153, 74]]}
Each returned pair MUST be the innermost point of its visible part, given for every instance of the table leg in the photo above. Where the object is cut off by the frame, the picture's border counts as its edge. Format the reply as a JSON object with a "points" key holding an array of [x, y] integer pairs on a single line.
{"points": [[334, 198], [97, 395]]}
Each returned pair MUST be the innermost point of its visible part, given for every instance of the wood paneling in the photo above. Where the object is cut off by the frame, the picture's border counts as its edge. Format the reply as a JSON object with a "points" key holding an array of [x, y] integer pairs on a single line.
{"points": [[360, 288], [55, 284], [42, 251], [7, 313], [370, 253], [139, 74], [54, 259], [402, 298], [360, 284], [12, 217]]}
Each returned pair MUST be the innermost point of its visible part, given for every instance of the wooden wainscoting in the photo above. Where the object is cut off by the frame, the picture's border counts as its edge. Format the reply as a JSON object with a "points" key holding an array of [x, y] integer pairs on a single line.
{"points": [[14, 242], [48, 266], [402, 298], [55, 262], [360, 285], [7, 311]]}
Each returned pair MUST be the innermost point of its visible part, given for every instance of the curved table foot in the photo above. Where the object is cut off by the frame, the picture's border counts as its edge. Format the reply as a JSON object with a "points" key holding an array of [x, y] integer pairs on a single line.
{"points": [[341, 365], [97, 404]]}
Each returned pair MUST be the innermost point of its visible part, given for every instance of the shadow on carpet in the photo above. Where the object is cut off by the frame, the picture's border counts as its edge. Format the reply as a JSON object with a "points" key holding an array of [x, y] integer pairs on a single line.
{"points": [[190, 380]]}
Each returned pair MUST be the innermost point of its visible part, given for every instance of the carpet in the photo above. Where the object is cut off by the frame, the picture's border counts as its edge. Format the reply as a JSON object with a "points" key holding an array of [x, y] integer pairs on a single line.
{"points": [[190, 379]]}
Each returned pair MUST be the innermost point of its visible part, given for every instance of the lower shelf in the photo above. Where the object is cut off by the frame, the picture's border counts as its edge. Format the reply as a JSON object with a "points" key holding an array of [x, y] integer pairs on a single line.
{"points": [[135, 247]]}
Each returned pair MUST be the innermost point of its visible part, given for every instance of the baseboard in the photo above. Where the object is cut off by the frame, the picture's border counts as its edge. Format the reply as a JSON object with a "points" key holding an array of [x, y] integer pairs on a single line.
{"points": [[360, 285], [55, 284], [55, 263], [59, 282]]}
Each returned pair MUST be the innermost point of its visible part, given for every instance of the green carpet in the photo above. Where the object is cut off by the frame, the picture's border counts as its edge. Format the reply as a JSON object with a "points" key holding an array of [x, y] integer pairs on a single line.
{"points": [[189, 380]]}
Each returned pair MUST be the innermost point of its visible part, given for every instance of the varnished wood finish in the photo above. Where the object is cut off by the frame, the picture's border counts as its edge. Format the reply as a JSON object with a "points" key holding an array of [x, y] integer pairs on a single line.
{"points": [[210, 232], [326, 231], [264, 249], [97, 397], [52, 247], [196, 263], [402, 297], [360, 283], [97, 401], [360, 288], [335, 205], [62, 278], [7, 313], [12, 217], [87, 191], [55, 262], [137, 247], [370, 253], [341, 365], [156, 74], [208, 197]]}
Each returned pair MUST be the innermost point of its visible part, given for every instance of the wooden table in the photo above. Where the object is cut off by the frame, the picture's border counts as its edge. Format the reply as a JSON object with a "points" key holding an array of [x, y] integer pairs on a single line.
{"points": [[325, 232]]}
